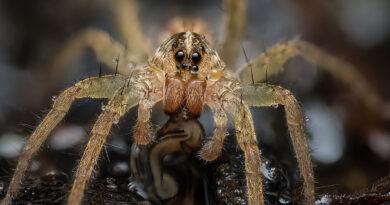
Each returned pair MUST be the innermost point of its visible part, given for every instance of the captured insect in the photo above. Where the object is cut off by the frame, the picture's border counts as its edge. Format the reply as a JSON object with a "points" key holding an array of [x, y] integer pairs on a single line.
{"points": [[187, 73]]}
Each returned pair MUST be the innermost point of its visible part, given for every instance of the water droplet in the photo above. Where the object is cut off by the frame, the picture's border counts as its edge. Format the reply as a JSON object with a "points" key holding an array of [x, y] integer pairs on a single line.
{"points": [[284, 201], [238, 191], [103, 107], [115, 60], [219, 182], [307, 119], [110, 183], [53, 98], [219, 191], [132, 187]]}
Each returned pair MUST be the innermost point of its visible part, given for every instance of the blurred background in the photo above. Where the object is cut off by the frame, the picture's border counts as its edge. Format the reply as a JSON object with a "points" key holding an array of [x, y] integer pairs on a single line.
{"points": [[350, 144]]}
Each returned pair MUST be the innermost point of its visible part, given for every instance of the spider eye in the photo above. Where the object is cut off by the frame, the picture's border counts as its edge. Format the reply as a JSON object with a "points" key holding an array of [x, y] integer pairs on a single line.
{"points": [[196, 57], [195, 69], [179, 56], [174, 45]]}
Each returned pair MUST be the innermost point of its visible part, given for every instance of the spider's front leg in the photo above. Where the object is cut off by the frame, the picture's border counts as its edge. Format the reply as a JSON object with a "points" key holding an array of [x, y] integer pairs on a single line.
{"points": [[212, 149], [103, 87], [240, 116], [270, 95], [123, 99], [141, 132], [234, 28], [132, 93]]}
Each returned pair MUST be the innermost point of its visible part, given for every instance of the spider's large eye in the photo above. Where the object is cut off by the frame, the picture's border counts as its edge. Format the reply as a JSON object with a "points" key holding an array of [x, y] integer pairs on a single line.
{"points": [[179, 56], [196, 57]]}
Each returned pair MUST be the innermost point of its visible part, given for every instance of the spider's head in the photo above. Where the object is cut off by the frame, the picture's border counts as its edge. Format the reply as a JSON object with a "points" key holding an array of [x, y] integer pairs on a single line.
{"points": [[188, 54]]}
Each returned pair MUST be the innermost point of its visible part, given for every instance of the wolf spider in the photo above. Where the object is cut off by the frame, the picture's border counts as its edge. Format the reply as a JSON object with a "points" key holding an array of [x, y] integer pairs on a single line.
{"points": [[186, 73]]}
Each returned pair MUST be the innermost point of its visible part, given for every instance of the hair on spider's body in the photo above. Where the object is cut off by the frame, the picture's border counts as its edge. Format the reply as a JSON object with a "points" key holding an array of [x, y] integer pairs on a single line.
{"points": [[188, 62], [186, 73]]}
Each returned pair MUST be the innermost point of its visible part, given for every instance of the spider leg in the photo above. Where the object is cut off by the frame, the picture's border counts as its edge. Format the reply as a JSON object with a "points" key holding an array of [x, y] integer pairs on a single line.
{"points": [[100, 42], [125, 15], [234, 23], [212, 149], [92, 87], [135, 52], [141, 132], [123, 99], [271, 95], [271, 62], [239, 115]]}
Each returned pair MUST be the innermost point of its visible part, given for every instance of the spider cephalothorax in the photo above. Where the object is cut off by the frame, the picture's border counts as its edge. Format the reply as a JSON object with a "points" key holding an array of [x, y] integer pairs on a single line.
{"points": [[187, 74], [189, 65]]}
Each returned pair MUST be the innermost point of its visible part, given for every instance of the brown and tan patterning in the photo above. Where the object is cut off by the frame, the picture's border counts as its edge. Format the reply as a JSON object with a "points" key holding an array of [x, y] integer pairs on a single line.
{"points": [[187, 74]]}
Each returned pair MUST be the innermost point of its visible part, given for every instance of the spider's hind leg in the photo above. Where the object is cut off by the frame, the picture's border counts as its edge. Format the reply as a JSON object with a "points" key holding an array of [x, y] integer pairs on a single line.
{"points": [[125, 13], [102, 45], [133, 48], [234, 27], [271, 62], [269, 95], [92, 87]]}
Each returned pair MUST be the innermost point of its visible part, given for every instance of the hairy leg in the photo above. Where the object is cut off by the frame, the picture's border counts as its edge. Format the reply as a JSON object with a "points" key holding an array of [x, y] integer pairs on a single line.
{"points": [[125, 13], [241, 118], [141, 132], [212, 149], [270, 95], [234, 27], [124, 99], [133, 92], [92, 87], [105, 48], [271, 62]]}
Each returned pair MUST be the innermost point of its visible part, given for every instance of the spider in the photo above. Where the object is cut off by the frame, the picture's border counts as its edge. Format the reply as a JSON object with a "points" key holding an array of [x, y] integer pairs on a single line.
{"points": [[186, 73]]}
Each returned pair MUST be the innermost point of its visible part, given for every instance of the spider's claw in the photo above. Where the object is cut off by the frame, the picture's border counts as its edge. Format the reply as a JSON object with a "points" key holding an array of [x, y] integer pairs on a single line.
{"points": [[141, 133]]}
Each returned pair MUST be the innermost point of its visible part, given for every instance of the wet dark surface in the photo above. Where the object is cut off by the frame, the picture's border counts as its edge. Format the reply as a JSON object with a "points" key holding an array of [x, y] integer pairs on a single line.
{"points": [[377, 193], [229, 180], [53, 189], [31, 32], [224, 183]]}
